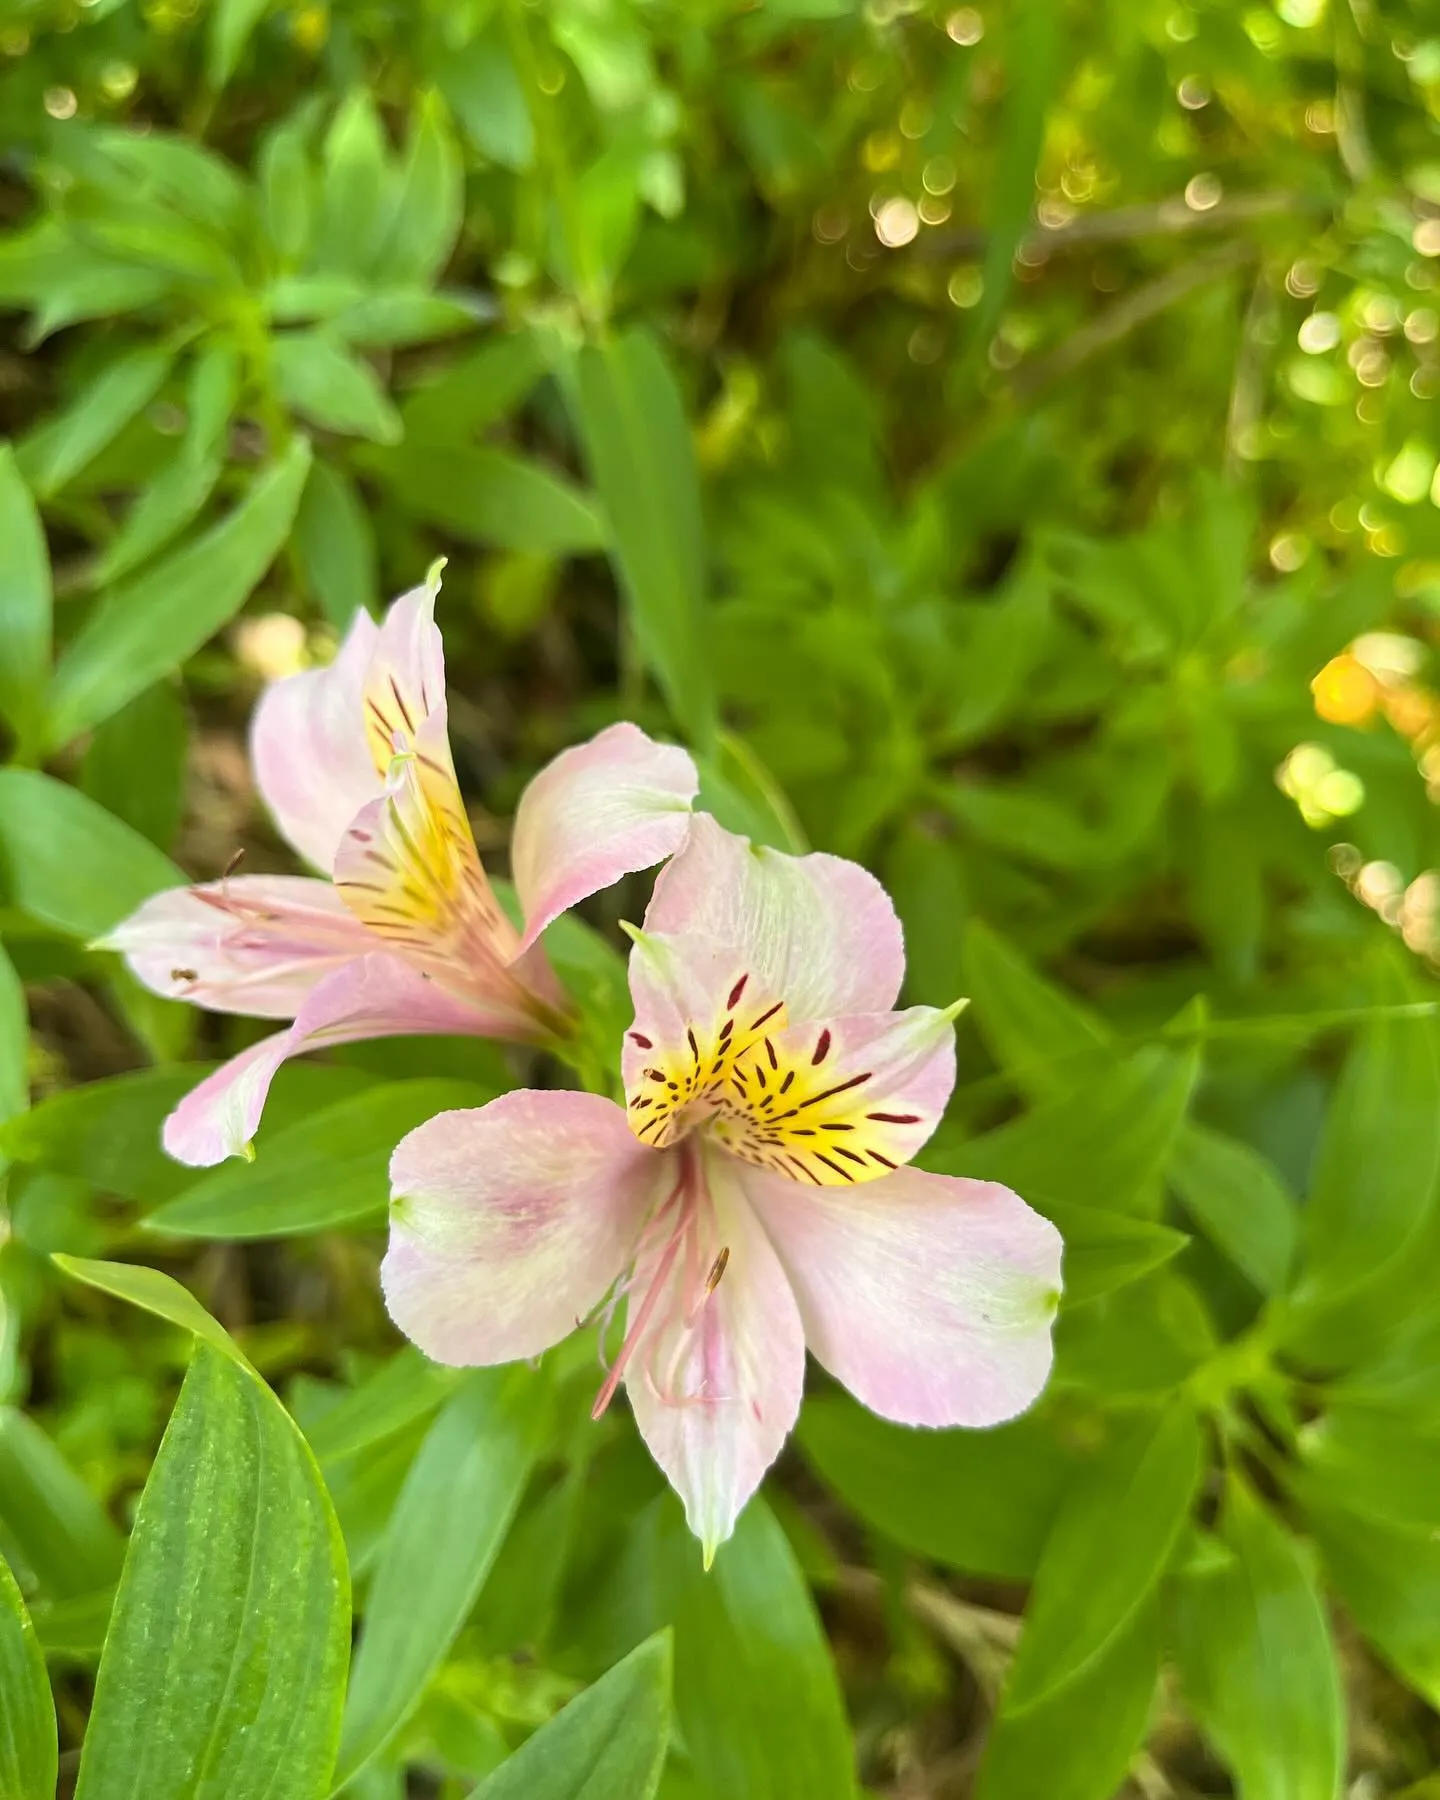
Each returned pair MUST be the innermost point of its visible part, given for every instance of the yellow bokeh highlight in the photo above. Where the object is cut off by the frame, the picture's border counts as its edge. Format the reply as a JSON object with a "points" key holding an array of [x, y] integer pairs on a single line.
{"points": [[1345, 691]]}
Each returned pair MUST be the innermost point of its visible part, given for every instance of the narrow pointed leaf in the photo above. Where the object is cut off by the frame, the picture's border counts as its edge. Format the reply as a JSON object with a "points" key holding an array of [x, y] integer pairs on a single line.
{"points": [[756, 1693], [1105, 1552], [27, 1713], [25, 600], [148, 625], [224, 1666], [638, 446], [444, 1534], [52, 1518], [607, 1744], [69, 863], [1256, 1661]]}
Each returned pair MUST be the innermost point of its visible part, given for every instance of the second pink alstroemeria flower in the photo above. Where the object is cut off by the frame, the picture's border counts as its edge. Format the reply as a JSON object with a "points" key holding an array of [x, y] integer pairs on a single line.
{"points": [[749, 1199], [354, 762]]}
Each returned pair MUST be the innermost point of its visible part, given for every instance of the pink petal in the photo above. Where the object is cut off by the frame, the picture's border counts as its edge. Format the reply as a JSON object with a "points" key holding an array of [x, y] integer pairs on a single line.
{"points": [[407, 865], [835, 1102], [816, 931], [404, 680], [930, 1297], [308, 746], [370, 997], [510, 1223], [599, 811], [255, 944], [219, 1118], [715, 1392]]}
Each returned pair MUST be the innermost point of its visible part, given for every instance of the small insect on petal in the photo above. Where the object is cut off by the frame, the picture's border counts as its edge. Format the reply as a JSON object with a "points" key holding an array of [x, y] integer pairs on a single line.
{"points": [[717, 1270]]}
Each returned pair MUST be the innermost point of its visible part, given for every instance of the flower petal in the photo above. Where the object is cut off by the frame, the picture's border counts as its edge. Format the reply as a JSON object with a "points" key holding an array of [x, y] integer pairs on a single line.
{"points": [[830, 1103], [598, 811], [716, 1391], [255, 944], [407, 865], [815, 931], [930, 1297], [307, 743], [510, 1223], [369, 997], [843, 1102], [404, 679]]}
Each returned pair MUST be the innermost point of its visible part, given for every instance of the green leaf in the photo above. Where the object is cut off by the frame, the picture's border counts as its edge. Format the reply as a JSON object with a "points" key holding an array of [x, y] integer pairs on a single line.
{"points": [[1376, 1171], [1102, 1146], [55, 1522], [287, 188], [1105, 1251], [14, 1043], [336, 543], [1377, 1463], [67, 862], [1110, 1542], [1033, 33], [224, 1666], [52, 456], [395, 317], [1044, 1037], [74, 1630], [445, 1532], [323, 382], [1011, 632], [484, 387], [1077, 1745], [1238, 1199], [136, 764], [358, 192], [331, 1169], [232, 24], [431, 206], [1389, 1581], [407, 1388], [28, 1750], [24, 598], [1256, 1661], [638, 446], [981, 1501], [607, 1744], [146, 627], [153, 1291], [108, 1132], [171, 501], [481, 84], [488, 496], [756, 1692]]}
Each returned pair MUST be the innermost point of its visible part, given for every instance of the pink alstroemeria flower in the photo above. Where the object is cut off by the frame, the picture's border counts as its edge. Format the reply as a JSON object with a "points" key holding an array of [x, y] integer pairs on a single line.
{"points": [[354, 763], [749, 1199]]}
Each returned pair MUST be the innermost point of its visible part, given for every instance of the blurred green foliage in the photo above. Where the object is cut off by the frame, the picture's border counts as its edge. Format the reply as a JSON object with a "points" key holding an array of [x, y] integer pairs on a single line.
{"points": [[998, 440]]}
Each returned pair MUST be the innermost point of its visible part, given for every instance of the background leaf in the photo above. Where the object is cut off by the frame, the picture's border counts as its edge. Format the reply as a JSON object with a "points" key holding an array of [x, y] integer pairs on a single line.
{"points": [[25, 602], [27, 1713], [608, 1744], [1257, 1662], [224, 1665], [443, 1536], [1105, 1551], [148, 626], [638, 448], [67, 862]]}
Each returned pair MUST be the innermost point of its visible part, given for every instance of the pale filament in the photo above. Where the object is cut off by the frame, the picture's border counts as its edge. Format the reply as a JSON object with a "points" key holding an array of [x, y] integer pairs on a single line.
{"points": [[688, 1212]]}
